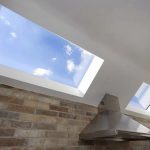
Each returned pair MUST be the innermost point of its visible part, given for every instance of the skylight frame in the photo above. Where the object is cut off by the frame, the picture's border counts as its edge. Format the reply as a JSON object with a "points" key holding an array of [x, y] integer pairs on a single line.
{"points": [[139, 110], [148, 108], [20, 79]]}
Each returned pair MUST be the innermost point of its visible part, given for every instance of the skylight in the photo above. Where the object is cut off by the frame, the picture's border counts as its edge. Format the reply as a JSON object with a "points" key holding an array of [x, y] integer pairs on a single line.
{"points": [[141, 99], [28, 47]]}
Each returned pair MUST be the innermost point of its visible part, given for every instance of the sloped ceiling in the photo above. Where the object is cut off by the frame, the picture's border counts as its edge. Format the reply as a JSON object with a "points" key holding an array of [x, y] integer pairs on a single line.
{"points": [[116, 30]]}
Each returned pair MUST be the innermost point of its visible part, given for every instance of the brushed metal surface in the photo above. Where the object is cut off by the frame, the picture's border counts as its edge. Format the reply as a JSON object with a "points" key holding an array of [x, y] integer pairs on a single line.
{"points": [[112, 125]]}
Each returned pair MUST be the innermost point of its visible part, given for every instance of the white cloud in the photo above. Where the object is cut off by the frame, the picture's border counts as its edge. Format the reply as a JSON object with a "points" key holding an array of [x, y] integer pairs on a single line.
{"points": [[80, 68], [54, 59], [84, 55], [68, 49], [7, 22], [13, 34], [42, 72], [2, 17], [4, 20], [70, 65]]}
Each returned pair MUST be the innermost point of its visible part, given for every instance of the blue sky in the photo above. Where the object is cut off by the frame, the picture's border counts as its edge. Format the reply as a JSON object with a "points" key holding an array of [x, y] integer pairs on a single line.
{"points": [[28, 47]]}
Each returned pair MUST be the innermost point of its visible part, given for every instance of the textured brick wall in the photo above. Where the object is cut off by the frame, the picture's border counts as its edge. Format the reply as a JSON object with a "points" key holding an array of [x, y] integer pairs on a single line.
{"points": [[30, 121]]}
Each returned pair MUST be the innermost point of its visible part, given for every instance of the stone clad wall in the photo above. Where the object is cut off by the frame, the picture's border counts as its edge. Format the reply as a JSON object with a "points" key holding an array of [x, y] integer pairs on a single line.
{"points": [[30, 121]]}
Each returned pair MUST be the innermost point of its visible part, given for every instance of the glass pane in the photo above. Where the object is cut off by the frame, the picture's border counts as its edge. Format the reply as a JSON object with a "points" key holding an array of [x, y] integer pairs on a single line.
{"points": [[28, 47]]}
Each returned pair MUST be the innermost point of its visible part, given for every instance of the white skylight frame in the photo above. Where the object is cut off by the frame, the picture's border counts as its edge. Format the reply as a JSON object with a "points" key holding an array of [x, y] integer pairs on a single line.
{"points": [[144, 99], [148, 108], [20, 79], [138, 112], [144, 109]]}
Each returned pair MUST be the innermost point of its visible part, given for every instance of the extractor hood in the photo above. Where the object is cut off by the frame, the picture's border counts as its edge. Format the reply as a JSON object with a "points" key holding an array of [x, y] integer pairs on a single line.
{"points": [[111, 124]]}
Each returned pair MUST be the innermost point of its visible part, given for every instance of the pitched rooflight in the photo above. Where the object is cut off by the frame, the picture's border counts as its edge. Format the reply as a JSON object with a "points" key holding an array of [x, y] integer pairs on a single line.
{"points": [[31, 54], [141, 100]]}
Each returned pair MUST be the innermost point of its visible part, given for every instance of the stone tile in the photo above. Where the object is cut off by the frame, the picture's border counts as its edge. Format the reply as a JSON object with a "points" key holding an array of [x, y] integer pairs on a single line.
{"points": [[19, 108], [4, 148], [44, 126], [13, 115], [46, 112], [9, 115], [4, 123], [58, 108], [47, 99], [67, 104], [62, 128], [37, 118], [17, 101], [12, 142], [52, 142], [20, 94], [36, 142], [26, 117], [7, 132], [10, 99], [5, 91], [86, 107], [66, 115], [28, 133], [54, 134], [19, 124], [30, 103], [76, 122], [77, 111], [45, 119], [3, 114], [5, 99], [43, 106], [3, 106]]}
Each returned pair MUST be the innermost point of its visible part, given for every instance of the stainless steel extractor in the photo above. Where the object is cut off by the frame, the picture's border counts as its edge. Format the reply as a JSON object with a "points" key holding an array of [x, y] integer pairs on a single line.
{"points": [[111, 124]]}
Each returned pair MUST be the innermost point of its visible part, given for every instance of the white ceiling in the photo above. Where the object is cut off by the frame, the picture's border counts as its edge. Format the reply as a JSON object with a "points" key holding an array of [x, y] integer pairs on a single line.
{"points": [[116, 30]]}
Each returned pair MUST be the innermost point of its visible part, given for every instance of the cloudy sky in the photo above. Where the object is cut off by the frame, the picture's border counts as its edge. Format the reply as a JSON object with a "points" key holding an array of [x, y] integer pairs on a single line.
{"points": [[30, 48]]}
